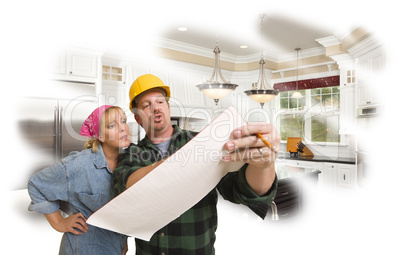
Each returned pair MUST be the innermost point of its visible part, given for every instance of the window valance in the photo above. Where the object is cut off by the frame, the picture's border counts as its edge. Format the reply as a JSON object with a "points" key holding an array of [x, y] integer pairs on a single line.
{"points": [[323, 82]]}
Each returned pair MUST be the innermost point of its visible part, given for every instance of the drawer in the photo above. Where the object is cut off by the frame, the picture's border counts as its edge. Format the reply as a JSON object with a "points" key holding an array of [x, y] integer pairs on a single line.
{"points": [[302, 163]]}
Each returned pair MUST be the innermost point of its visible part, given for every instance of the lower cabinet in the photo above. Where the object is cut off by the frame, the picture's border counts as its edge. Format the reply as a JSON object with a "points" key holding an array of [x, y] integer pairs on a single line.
{"points": [[333, 175], [338, 176]]}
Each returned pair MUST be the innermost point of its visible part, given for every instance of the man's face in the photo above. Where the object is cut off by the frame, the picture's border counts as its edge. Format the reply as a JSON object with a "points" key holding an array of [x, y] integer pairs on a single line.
{"points": [[153, 113]]}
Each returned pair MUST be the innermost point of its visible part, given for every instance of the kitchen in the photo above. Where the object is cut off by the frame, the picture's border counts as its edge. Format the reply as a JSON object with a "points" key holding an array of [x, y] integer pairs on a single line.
{"points": [[355, 56]]}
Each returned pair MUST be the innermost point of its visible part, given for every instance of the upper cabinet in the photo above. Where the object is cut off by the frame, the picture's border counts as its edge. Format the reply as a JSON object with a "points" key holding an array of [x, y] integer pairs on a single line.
{"points": [[76, 64], [81, 64], [113, 74], [370, 68], [371, 61]]}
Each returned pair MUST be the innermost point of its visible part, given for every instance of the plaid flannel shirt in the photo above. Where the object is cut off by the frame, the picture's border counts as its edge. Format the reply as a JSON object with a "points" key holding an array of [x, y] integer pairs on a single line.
{"points": [[194, 231]]}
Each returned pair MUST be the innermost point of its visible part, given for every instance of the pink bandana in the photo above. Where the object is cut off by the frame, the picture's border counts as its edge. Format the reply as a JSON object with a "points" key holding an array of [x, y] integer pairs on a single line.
{"points": [[90, 128]]}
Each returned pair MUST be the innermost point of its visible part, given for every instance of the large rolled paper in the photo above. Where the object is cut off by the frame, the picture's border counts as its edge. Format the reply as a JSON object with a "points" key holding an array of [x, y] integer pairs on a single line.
{"points": [[174, 186]]}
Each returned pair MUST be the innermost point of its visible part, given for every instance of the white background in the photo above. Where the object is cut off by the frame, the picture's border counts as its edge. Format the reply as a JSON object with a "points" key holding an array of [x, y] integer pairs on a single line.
{"points": [[365, 221]]}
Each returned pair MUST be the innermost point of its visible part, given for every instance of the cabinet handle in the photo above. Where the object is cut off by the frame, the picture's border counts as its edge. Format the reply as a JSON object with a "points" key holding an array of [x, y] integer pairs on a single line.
{"points": [[344, 178], [71, 72]]}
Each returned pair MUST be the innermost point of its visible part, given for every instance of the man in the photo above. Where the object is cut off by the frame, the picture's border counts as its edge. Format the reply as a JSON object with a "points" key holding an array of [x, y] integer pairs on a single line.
{"points": [[254, 184]]}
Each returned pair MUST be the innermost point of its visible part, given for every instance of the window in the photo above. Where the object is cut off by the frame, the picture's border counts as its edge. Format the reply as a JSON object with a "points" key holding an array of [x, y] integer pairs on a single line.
{"points": [[315, 117], [287, 102]]}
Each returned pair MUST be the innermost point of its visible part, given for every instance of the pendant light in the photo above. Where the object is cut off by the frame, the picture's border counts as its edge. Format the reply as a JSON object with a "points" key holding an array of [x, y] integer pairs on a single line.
{"points": [[297, 93], [216, 87], [261, 92]]}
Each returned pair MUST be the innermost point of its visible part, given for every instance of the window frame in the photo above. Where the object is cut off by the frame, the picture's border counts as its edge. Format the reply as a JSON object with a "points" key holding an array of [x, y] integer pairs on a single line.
{"points": [[309, 112]]}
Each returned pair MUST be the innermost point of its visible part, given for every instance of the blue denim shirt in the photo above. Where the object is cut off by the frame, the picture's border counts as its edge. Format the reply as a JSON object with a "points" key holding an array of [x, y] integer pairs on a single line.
{"points": [[84, 181]]}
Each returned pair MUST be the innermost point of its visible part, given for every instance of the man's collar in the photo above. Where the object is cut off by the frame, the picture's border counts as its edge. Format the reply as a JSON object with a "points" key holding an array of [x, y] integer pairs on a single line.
{"points": [[147, 142]]}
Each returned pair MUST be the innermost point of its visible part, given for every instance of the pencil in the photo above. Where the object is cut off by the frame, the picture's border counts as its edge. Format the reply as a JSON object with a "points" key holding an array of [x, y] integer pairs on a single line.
{"points": [[264, 140]]}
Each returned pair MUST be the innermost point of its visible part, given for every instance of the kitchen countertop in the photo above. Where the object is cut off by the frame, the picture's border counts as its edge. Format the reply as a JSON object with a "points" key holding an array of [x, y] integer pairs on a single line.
{"points": [[324, 159]]}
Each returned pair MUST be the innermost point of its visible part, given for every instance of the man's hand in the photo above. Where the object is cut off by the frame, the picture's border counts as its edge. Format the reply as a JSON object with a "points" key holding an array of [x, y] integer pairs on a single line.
{"points": [[72, 223], [245, 146]]}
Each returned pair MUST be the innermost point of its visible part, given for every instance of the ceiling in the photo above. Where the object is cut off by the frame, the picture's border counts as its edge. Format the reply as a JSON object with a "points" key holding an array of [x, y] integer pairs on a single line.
{"points": [[280, 35], [129, 27]]}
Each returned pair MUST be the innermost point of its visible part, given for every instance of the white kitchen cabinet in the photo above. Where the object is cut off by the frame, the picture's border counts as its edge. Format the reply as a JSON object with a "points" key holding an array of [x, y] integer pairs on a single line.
{"points": [[114, 72], [114, 87], [370, 70], [338, 176], [303, 163], [80, 64], [114, 95], [346, 176], [332, 176], [367, 95], [347, 110], [76, 64]]}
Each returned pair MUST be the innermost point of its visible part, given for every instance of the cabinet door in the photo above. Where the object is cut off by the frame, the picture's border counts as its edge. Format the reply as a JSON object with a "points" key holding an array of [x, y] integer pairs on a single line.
{"points": [[363, 95], [117, 96], [346, 176], [347, 110], [81, 64], [328, 175]]}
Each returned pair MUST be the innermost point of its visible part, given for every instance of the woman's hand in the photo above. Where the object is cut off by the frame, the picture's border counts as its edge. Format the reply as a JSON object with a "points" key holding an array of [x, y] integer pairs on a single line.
{"points": [[125, 249], [74, 223]]}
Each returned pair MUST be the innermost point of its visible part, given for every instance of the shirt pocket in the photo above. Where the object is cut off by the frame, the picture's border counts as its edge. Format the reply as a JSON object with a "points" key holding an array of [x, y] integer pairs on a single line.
{"points": [[92, 202]]}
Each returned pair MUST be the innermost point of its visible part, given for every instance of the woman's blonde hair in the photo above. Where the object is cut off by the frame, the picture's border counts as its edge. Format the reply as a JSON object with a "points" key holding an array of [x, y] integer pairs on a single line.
{"points": [[92, 143]]}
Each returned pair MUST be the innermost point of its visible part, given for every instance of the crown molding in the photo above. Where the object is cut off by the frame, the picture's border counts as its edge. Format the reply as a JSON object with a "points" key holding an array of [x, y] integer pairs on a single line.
{"points": [[192, 49], [342, 33], [329, 63], [316, 51], [365, 46], [207, 52], [344, 58], [329, 41]]}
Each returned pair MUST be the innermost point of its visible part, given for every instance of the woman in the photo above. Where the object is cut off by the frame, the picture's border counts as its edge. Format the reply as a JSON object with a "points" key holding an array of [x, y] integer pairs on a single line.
{"points": [[83, 180]]}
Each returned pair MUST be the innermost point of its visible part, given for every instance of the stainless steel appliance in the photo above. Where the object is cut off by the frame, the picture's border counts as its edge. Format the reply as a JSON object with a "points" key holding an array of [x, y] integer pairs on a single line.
{"points": [[49, 125]]}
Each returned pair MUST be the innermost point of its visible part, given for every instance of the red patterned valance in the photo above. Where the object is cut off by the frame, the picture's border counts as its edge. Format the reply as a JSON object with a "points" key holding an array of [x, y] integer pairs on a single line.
{"points": [[308, 84]]}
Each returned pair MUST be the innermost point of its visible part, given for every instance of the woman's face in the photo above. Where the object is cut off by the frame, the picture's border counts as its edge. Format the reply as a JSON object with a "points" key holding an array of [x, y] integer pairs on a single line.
{"points": [[114, 129]]}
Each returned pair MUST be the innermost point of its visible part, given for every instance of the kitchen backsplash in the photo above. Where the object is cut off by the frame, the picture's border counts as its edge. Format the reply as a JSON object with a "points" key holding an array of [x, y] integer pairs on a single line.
{"points": [[330, 150]]}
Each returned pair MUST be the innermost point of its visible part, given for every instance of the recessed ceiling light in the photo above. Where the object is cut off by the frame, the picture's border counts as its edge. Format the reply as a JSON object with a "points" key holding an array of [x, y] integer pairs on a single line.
{"points": [[182, 29], [243, 46]]}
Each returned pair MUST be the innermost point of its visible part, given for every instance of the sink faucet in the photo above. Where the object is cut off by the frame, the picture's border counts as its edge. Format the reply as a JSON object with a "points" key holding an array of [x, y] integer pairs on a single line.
{"points": [[274, 211]]}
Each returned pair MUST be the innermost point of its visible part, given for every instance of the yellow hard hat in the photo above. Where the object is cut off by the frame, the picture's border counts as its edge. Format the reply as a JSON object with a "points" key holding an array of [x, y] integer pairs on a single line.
{"points": [[143, 84]]}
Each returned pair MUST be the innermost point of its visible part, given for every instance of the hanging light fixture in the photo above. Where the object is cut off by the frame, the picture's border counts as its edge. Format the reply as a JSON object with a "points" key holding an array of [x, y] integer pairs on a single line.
{"points": [[261, 92], [297, 93], [216, 87]]}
